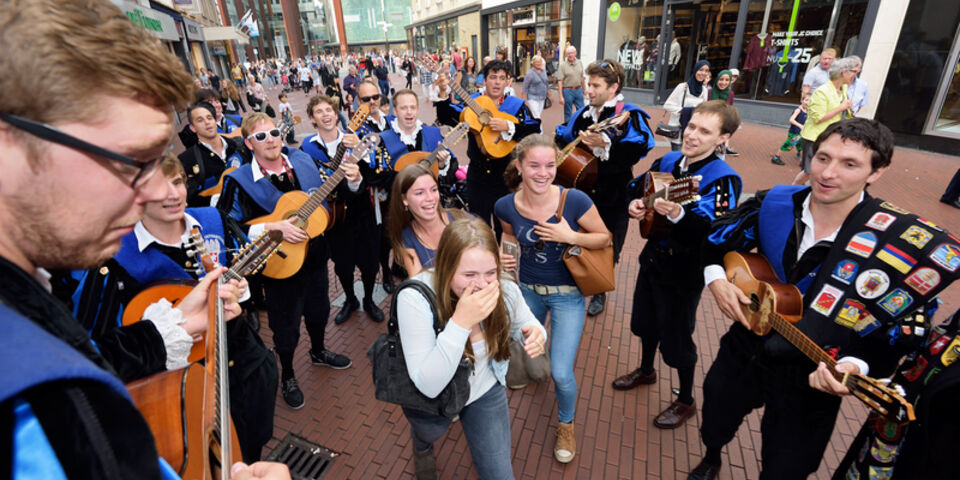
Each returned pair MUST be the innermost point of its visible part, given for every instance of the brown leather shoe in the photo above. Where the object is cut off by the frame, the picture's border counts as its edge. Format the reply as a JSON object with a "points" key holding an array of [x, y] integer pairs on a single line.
{"points": [[634, 379], [675, 415]]}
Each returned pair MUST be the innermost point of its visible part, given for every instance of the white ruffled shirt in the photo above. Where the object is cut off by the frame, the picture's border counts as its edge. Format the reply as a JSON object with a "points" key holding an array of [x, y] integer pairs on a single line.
{"points": [[603, 153]]}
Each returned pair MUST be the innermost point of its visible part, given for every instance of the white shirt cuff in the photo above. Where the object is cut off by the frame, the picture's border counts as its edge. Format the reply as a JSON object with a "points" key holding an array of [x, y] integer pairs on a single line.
{"points": [[683, 212], [176, 340], [713, 272], [256, 230], [603, 153], [508, 133], [864, 368], [353, 186]]}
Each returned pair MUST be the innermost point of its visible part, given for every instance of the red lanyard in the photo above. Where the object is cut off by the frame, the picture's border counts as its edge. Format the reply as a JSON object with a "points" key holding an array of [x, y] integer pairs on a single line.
{"points": [[286, 169]]}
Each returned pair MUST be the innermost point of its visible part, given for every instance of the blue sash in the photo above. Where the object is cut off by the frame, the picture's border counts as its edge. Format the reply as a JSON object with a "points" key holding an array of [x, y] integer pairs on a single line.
{"points": [[264, 193], [775, 222]]}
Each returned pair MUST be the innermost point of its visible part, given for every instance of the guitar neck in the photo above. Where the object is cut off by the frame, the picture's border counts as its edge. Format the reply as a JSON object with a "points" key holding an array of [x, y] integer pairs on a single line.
{"points": [[341, 151], [316, 199], [649, 199], [568, 149], [809, 348], [222, 405], [459, 91]]}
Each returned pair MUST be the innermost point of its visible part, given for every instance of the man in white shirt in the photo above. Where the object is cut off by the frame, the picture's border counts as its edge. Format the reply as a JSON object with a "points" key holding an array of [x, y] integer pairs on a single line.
{"points": [[820, 73]]}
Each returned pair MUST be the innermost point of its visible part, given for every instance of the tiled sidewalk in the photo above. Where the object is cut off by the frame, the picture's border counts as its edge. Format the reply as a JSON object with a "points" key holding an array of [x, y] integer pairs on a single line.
{"points": [[615, 435]]}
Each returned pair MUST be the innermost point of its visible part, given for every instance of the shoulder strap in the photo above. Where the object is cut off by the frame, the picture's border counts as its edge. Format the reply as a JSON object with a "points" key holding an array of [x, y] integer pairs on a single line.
{"points": [[563, 200], [427, 292]]}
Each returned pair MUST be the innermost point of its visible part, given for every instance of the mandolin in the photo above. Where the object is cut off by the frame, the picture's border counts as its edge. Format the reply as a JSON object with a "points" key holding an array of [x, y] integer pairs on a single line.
{"points": [[778, 306], [477, 115], [247, 262], [663, 185], [429, 160], [576, 166], [216, 189], [310, 217]]}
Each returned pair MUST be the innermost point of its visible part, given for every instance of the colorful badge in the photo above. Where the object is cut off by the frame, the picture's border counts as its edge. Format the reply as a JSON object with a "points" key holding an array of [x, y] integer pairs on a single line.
{"points": [[896, 258], [916, 236], [896, 302], [826, 299], [938, 344], [845, 271], [880, 473], [853, 473], [862, 244], [929, 224], [872, 283], [884, 452], [947, 256], [952, 352], [866, 324], [893, 208], [923, 280], [916, 370], [880, 221], [850, 313], [932, 373], [887, 430]]}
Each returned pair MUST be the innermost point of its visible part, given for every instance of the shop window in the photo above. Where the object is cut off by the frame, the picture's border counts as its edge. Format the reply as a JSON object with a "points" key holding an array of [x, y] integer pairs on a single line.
{"points": [[632, 39]]}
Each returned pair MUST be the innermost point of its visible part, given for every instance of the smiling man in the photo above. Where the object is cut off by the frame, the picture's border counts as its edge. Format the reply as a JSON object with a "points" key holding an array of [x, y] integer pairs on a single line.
{"points": [[846, 252], [669, 281], [205, 162]]}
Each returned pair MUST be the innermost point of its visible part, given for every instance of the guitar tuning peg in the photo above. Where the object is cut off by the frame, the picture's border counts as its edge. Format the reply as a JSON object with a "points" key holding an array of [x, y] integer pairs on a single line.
{"points": [[188, 264]]}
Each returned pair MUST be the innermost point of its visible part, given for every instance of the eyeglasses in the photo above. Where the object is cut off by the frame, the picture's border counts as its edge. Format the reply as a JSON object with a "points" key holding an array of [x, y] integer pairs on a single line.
{"points": [[51, 134], [262, 136], [375, 98]]}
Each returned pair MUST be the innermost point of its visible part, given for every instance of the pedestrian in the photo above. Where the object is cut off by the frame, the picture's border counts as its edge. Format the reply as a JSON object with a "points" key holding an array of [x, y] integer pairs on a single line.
{"points": [[481, 311], [858, 91], [819, 74], [797, 119], [570, 83], [531, 217], [350, 83], [951, 196], [723, 90], [536, 87], [230, 96], [467, 76], [685, 97], [383, 77], [828, 105]]}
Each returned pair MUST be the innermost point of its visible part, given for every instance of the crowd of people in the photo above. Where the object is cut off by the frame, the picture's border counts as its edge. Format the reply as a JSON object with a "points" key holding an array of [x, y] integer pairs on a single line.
{"points": [[79, 251]]}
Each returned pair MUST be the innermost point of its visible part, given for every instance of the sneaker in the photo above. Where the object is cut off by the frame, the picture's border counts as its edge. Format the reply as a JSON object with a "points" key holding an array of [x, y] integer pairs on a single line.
{"points": [[326, 358], [566, 446], [732, 152], [292, 394], [776, 160], [425, 465]]}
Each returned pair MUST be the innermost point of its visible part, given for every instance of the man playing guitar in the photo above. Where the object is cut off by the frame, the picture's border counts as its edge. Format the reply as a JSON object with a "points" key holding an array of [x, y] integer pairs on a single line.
{"points": [[669, 281], [213, 153], [252, 191], [617, 154], [485, 184], [845, 252]]}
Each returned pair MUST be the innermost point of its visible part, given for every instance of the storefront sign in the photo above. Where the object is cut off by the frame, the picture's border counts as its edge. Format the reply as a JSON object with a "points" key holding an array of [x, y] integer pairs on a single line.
{"points": [[194, 31], [523, 17], [158, 24], [614, 12]]}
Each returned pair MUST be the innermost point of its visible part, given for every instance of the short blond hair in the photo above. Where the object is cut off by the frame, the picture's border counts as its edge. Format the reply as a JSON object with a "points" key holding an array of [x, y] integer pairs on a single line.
{"points": [[81, 48], [251, 121]]}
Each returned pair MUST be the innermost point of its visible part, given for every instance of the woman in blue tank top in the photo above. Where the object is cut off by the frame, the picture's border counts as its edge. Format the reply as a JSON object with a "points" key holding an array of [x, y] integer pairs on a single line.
{"points": [[529, 219]]}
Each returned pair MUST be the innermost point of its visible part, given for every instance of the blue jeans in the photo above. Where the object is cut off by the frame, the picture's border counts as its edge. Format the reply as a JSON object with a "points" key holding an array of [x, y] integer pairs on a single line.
{"points": [[567, 311], [572, 101], [486, 423]]}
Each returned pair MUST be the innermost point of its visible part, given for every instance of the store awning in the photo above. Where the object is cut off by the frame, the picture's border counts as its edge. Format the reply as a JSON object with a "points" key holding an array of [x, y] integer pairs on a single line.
{"points": [[225, 33]]}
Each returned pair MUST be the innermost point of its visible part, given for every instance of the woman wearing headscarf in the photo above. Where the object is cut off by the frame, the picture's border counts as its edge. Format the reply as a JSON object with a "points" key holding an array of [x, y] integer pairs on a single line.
{"points": [[723, 90], [685, 97]]}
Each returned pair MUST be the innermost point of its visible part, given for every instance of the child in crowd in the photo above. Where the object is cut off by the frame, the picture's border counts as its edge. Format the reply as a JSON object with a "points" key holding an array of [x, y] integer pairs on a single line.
{"points": [[286, 117], [797, 120]]}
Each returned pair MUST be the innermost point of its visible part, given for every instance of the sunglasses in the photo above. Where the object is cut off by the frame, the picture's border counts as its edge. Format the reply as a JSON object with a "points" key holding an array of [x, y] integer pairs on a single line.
{"points": [[54, 135], [374, 98], [262, 136]]}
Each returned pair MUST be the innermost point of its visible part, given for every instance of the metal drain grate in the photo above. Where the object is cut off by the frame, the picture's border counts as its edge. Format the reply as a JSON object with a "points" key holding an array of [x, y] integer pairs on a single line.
{"points": [[307, 460]]}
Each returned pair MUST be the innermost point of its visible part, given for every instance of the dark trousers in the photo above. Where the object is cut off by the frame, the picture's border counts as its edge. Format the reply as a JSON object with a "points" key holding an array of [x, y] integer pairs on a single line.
{"points": [[305, 294], [355, 244], [617, 221], [666, 314], [253, 384], [797, 420], [952, 193], [384, 247], [481, 197]]}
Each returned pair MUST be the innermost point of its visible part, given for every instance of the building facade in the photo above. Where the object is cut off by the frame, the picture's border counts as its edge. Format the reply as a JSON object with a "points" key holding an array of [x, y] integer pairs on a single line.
{"points": [[445, 24]]}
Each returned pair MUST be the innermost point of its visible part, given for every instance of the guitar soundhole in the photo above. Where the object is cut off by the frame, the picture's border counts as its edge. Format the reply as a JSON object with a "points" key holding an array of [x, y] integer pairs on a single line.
{"points": [[484, 118], [754, 302]]}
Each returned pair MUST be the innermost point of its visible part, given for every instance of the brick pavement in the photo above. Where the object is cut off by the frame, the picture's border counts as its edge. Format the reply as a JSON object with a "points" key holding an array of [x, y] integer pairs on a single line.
{"points": [[615, 435]]}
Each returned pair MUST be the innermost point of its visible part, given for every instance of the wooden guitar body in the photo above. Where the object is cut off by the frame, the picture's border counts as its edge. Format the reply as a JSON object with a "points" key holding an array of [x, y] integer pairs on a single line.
{"points": [[172, 290], [173, 405], [492, 144], [285, 266], [755, 277], [654, 226], [578, 170], [412, 158], [216, 189]]}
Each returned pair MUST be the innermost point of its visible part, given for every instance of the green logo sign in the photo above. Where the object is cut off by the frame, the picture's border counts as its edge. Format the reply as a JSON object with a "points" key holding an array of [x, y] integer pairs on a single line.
{"points": [[614, 11], [138, 18]]}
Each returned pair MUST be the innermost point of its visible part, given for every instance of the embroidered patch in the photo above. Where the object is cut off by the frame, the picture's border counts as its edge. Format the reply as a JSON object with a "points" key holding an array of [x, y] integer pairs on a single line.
{"points": [[845, 271], [923, 280], [916, 370], [893, 208], [896, 258], [947, 256], [880, 221], [104, 270], [884, 452], [937, 346], [196, 169], [896, 302], [916, 236], [872, 283], [867, 324], [932, 373], [952, 352], [850, 313], [826, 299], [853, 473], [862, 244], [887, 430], [929, 224]]}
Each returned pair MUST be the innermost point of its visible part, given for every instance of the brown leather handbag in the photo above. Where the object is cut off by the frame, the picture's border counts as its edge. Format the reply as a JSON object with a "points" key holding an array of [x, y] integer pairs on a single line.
{"points": [[592, 269]]}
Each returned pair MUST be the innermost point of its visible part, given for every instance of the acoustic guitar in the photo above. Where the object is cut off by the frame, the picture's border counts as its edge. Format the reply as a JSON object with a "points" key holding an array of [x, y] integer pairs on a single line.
{"points": [[247, 262], [662, 185], [188, 410], [778, 306], [478, 113], [310, 216], [338, 208], [216, 189], [429, 160], [577, 166]]}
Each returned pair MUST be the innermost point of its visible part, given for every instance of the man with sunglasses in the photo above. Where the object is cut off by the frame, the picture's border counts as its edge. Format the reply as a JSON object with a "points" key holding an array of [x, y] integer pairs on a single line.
{"points": [[617, 151], [77, 175], [485, 183], [213, 153], [252, 191]]}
